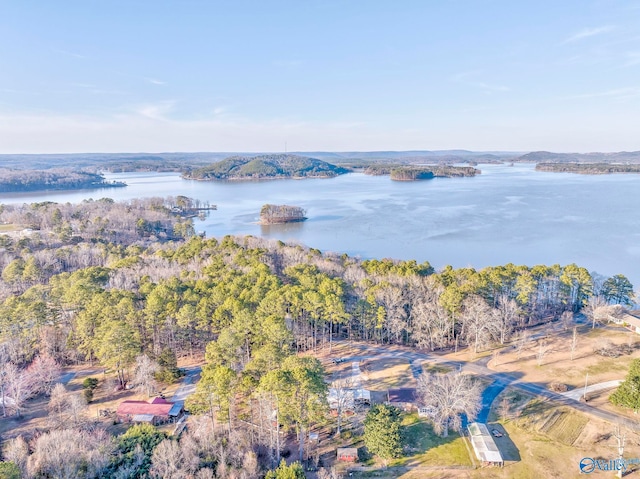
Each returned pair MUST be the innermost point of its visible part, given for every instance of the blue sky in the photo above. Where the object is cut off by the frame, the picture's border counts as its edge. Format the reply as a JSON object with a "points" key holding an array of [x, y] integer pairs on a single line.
{"points": [[137, 75]]}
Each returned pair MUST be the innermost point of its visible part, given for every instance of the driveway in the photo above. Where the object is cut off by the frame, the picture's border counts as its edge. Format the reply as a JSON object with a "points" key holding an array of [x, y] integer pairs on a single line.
{"points": [[188, 385]]}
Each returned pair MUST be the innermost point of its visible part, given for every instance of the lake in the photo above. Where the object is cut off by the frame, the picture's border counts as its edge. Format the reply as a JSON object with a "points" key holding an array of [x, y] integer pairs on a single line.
{"points": [[505, 215]]}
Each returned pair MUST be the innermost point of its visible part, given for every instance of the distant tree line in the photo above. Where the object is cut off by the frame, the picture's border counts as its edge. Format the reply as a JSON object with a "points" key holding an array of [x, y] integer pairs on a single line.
{"points": [[589, 168], [53, 179]]}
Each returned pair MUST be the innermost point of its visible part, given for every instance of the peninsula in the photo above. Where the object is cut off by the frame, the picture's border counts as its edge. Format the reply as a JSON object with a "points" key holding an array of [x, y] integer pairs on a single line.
{"points": [[265, 167], [12, 181], [278, 214]]}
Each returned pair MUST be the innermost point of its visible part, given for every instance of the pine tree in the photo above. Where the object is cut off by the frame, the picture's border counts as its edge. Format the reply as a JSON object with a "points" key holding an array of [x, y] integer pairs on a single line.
{"points": [[293, 471], [382, 431], [628, 393]]}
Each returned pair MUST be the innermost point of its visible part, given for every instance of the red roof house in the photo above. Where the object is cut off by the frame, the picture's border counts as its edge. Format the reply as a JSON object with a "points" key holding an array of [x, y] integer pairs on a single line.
{"points": [[157, 411]]}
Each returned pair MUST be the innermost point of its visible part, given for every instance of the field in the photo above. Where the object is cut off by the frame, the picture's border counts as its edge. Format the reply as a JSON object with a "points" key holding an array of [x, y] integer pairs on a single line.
{"points": [[557, 366]]}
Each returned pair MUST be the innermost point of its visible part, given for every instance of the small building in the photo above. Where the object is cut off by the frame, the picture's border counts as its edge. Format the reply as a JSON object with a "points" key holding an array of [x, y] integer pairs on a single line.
{"points": [[347, 454], [157, 411], [403, 398], [630, 320], [348, 399], [483, 444]]}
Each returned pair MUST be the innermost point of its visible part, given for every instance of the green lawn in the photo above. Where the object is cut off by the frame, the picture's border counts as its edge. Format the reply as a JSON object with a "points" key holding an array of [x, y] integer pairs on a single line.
{"points": [[423, 447]]}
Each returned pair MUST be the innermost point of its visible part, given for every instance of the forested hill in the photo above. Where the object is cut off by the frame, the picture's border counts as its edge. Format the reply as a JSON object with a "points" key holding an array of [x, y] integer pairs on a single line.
{"points": [[54, 179], [266, 166]]}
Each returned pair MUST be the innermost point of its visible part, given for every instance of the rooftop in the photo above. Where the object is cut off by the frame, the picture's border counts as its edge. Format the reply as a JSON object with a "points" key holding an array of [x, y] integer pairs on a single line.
{"points": [[406, 395], [157, 407], [483, 444]]}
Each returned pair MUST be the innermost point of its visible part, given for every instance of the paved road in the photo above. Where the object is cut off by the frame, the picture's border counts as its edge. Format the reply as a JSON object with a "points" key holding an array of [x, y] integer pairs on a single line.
{"points": [[188, 385], [499, 381], [577, 393], [66, 377]]}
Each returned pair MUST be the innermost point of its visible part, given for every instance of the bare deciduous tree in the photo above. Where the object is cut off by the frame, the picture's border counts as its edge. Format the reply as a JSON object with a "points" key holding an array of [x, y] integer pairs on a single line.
{"points": [[544, 347], [574, 341], [61, 454], [480, 323], [17, 451], [522, 342], [166, 462], [144, 376], [328, 473], [507, 312], [341, 398], [66, 409], [57, 403], [18, 387], [566, 319], [505, 407], [449, 396]]}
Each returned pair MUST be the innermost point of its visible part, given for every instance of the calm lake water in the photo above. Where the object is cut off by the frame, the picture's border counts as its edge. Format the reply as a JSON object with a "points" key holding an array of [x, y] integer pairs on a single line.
{"points": [[506, 214]]}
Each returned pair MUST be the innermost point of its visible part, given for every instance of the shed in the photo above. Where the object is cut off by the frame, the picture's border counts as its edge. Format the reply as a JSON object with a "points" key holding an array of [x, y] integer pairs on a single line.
{"points": [[347, 454], [483, 444]]}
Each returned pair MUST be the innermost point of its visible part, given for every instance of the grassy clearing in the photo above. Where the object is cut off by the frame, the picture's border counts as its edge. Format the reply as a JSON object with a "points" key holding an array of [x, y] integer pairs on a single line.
{"points": [[557, 423], [383, 374], [608, 365], [435, 368], [11, 227], [425, 448]]}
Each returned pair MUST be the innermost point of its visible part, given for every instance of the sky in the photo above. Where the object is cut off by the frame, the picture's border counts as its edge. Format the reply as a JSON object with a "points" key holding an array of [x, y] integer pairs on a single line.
{"points": [[305, 75]]}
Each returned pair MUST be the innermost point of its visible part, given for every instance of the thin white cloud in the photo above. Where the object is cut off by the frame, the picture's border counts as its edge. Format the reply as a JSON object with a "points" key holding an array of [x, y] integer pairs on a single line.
{"points": [[588, 32], [155, 82], [155, 111], [68, 53], [467, 78]]}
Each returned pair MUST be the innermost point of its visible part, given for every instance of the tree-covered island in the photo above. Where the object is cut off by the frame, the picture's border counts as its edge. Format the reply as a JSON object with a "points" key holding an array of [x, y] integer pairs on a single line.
{"points": [[412, 173], [277, 214], [265, 167]]}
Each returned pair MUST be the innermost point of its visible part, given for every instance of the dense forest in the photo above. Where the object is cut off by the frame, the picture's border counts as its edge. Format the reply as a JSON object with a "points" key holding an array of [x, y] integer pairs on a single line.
{"points": [[116, 282], [588, 168], [191, 289], [265, 166], [53, 179]]}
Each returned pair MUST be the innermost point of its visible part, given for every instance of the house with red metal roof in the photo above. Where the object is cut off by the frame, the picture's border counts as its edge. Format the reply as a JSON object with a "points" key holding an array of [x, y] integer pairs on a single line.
{"points": [[157, 411]]}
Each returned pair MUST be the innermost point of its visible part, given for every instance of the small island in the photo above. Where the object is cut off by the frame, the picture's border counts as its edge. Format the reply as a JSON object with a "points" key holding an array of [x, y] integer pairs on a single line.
{"points": [[588, 168], [279, 214]]}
